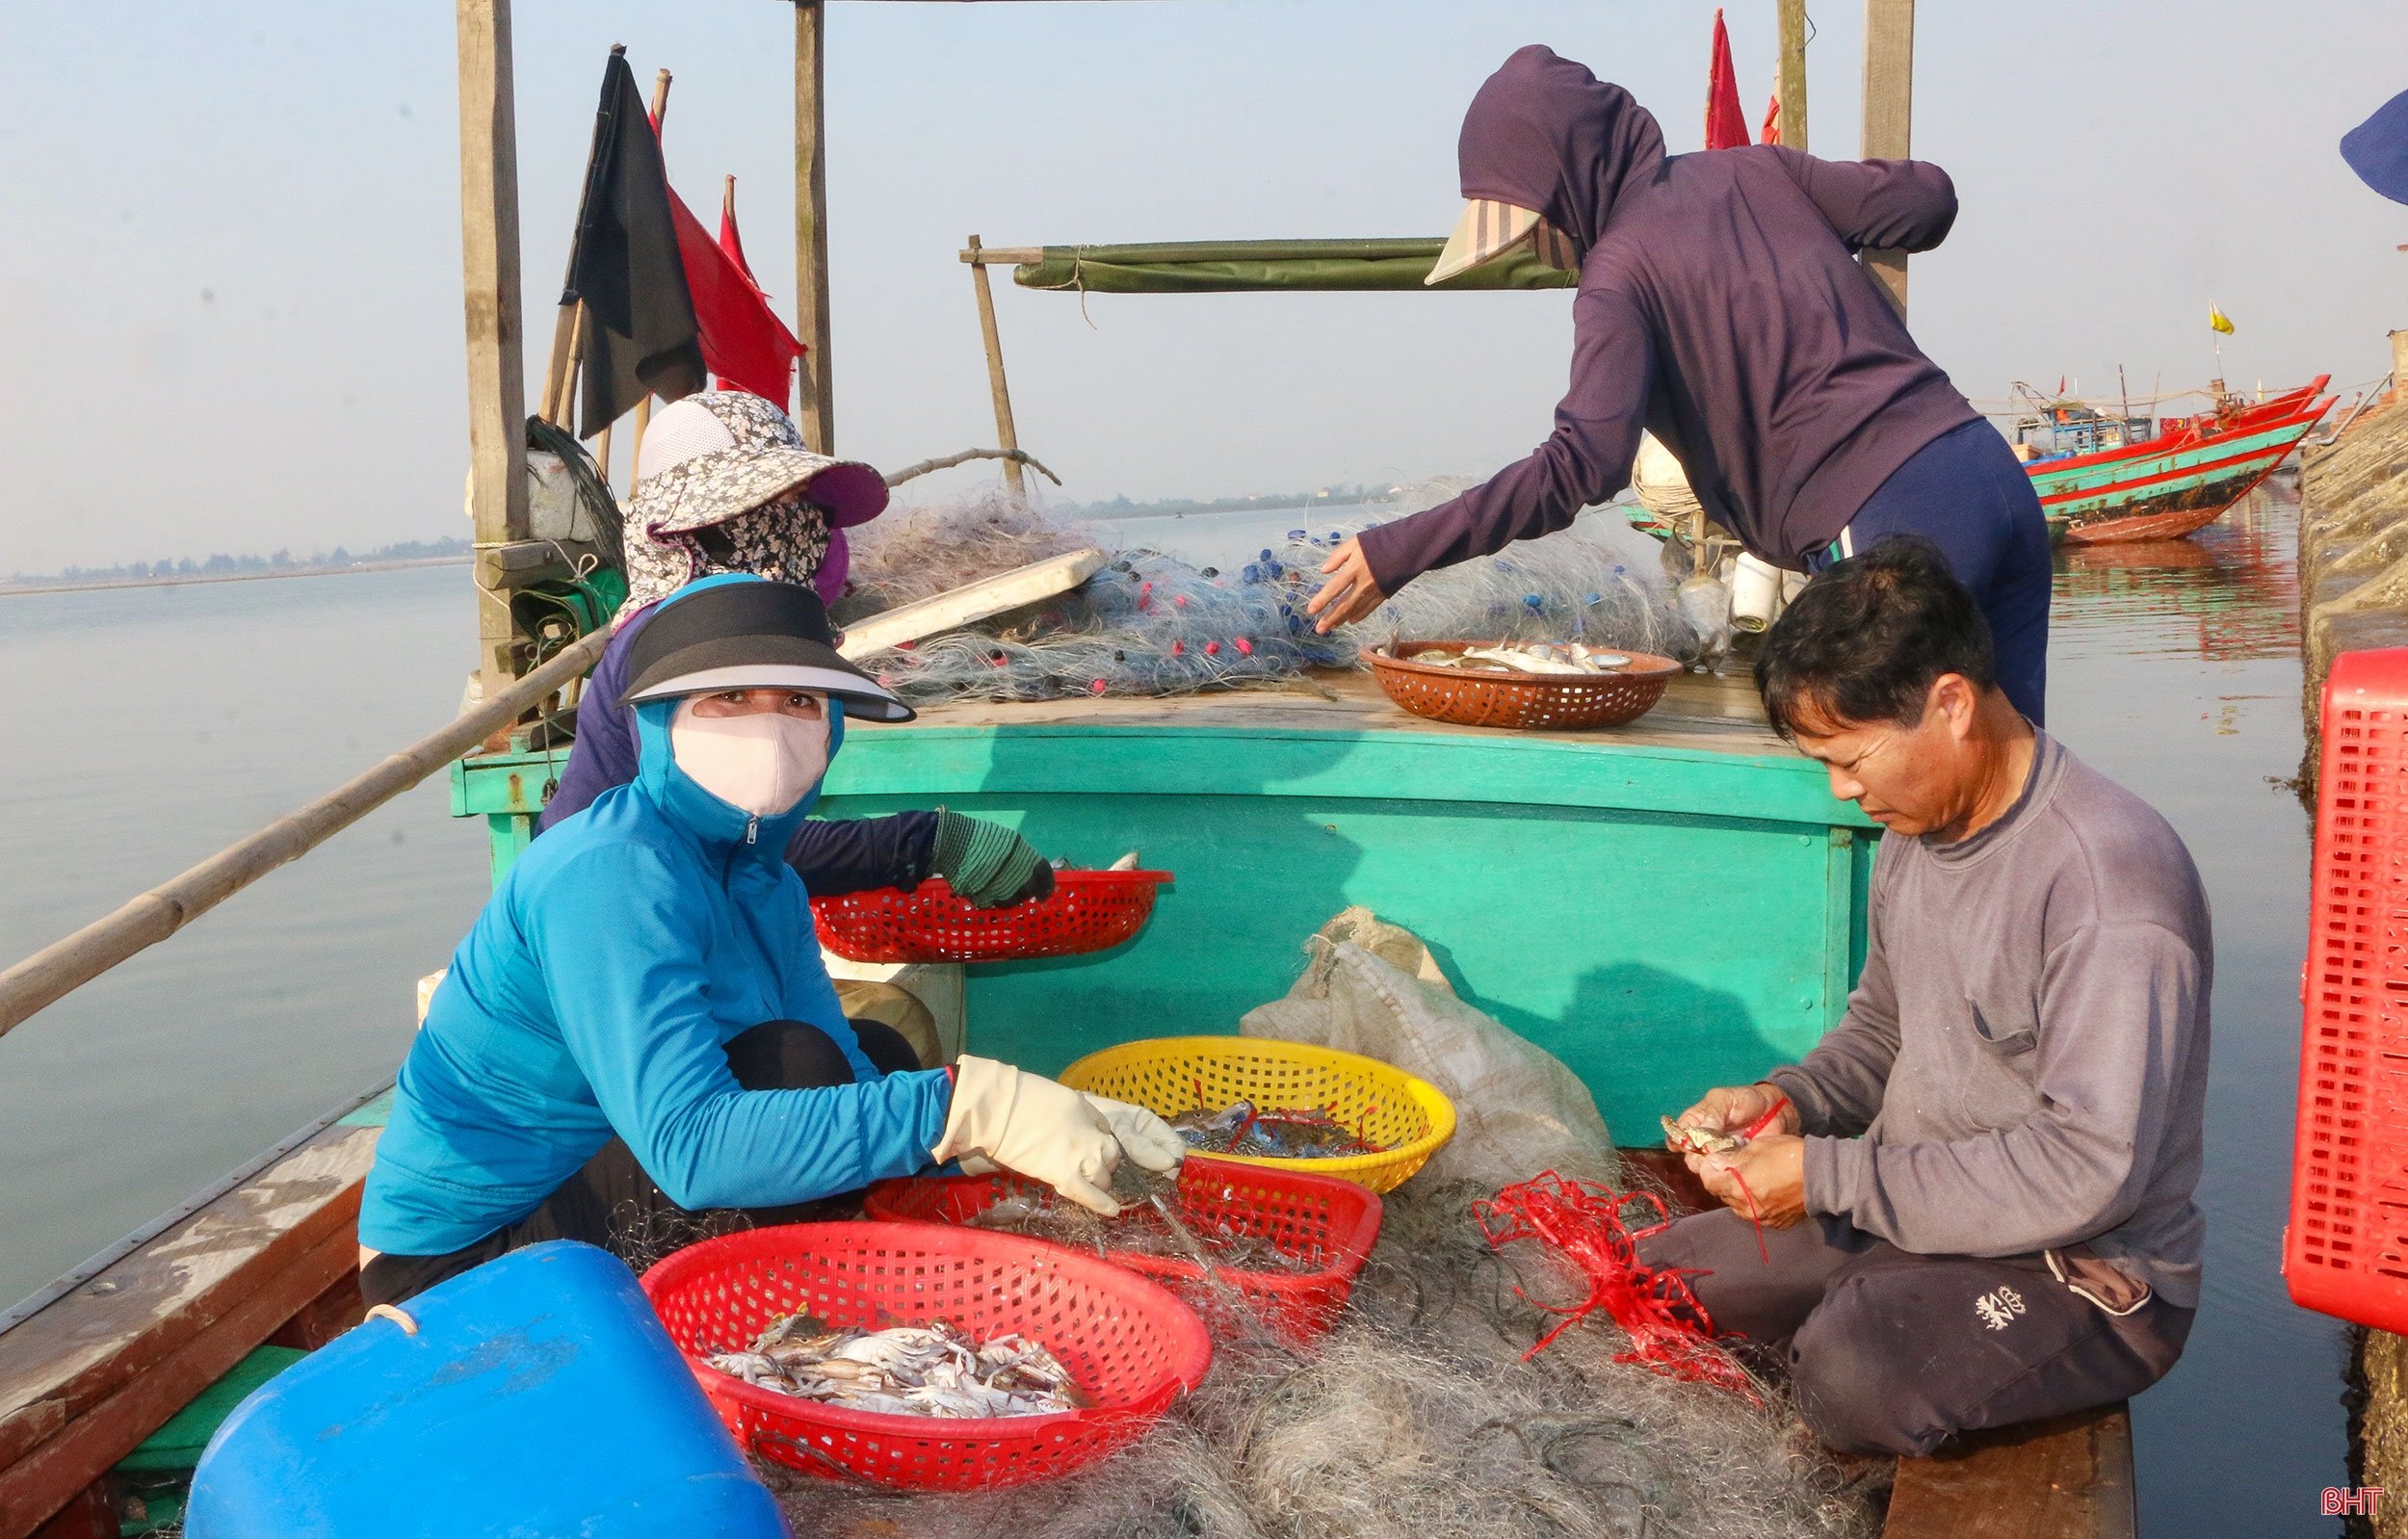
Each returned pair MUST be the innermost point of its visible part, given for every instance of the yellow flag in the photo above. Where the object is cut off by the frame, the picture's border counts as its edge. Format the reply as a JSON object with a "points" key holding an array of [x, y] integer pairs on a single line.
{"points": [[2219, 320]]}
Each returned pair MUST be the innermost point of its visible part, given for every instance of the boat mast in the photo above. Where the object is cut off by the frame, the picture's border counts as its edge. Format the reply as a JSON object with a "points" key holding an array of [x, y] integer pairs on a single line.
{"points": [[815, 410], [1792, 88], [1889, 114], [497, 405]]}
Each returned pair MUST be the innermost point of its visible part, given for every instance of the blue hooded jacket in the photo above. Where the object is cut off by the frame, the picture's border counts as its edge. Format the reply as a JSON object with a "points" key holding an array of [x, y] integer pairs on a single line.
{"points": [[595, 995]]}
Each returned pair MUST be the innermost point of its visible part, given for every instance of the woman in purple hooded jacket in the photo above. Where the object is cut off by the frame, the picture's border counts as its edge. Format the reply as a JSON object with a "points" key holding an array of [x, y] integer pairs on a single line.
{"points": [[1720, 307]]}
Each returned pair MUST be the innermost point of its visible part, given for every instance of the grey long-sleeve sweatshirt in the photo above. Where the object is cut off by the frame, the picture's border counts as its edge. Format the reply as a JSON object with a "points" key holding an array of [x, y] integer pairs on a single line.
{"points": [[2025, 1054]]}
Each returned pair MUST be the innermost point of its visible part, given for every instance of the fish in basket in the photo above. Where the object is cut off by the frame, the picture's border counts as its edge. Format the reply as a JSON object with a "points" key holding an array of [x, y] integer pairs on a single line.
{"points": [[1080, 1355], [1556, 685]]}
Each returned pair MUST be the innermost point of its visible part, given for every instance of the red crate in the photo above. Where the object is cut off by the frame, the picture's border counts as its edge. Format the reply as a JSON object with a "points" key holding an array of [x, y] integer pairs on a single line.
{"points": [[2346, 1251]]}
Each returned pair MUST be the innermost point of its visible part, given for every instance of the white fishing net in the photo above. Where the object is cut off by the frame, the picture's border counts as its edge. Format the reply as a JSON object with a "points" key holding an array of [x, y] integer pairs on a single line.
{"points": [[1153, 623], [1417, 1418]]}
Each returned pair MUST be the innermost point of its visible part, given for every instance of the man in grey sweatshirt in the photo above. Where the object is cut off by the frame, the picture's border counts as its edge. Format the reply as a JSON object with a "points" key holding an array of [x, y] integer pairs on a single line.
{"points": [[1976, 1192]]}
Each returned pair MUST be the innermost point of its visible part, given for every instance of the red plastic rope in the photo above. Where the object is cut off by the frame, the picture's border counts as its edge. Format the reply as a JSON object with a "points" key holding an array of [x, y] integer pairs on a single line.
{"points": [[1780, 1104], [1670, 1331]]}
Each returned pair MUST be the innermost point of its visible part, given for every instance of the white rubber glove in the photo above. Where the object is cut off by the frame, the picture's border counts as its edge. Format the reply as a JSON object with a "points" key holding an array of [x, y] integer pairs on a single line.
{"points": [[1037, 1127], [1145, 1138]]}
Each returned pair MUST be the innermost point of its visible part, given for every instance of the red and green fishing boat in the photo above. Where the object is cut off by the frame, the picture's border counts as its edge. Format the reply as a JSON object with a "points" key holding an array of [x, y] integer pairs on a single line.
{"points": [[2181, 480]]}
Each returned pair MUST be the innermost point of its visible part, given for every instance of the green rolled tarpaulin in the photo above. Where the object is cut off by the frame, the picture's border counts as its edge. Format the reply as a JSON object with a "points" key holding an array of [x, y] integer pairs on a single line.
{"points": [[1265, 266]]}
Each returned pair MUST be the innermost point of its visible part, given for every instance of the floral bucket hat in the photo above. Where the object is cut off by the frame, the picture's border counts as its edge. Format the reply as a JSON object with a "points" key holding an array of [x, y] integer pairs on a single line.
{"points": [[710, 458]]}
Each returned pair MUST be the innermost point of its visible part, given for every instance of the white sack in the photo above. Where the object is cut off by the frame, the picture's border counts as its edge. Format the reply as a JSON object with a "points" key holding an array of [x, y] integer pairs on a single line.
{"points": [[1374, 988]]}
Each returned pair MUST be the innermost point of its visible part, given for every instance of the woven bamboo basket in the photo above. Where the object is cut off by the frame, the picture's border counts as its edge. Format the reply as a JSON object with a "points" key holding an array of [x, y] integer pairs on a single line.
{"points": [[1527, 700]]}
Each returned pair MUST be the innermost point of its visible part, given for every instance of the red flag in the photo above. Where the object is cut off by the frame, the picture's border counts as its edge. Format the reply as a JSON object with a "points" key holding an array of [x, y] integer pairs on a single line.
{"points": [[1770, 133], [744, 342], [1726, 121]]}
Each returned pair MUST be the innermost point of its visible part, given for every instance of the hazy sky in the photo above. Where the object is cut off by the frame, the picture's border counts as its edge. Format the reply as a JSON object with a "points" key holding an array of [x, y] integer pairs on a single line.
{"points": [[229, 284]]}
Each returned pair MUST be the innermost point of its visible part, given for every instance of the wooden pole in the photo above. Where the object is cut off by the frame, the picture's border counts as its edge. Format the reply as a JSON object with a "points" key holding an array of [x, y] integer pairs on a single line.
{"points": [[51, 973], [558, 375], [816, 405], [497, 405], [644, 407], [1792, 86], [1889, 114], [1004, 435]]}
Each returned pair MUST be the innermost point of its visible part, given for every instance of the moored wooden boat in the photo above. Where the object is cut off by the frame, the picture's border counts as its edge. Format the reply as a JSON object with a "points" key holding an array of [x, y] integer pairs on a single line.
{"points": [[2180, 480], [1497, 845], [1515, 851]]}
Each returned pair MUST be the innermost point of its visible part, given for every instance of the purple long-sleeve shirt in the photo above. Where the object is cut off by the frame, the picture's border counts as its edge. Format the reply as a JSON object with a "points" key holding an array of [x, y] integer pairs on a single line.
{"points": [[831, 855], [1720, 307]]}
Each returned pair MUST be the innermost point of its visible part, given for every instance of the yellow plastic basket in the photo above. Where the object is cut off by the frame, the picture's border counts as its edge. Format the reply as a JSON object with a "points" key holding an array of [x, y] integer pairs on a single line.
{"points": [[1380, 1101]]}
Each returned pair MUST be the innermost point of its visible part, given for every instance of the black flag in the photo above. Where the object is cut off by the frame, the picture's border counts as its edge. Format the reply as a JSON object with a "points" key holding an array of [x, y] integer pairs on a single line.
{"points": [[640, 326]]}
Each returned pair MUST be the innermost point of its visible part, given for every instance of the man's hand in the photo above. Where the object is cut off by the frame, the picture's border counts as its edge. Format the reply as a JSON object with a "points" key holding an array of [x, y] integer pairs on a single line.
{"points": [[1350, 594], [1772, 1169], [1735, 1108]]}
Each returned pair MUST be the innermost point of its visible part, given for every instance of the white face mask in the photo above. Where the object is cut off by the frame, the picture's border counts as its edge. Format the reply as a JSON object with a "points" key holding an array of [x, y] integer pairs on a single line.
{"points": [[763, 763]]}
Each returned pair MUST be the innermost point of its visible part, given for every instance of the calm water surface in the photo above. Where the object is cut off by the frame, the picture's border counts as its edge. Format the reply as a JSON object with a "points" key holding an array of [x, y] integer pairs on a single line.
{"points": [[148, 727]]}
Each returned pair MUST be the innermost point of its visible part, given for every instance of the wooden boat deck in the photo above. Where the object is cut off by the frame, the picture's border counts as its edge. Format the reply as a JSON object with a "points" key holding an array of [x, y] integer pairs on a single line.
{"points": [[88, 1377]]}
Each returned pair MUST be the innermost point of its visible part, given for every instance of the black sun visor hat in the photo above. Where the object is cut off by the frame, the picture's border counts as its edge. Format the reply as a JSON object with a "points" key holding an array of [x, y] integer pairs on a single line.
{"points": [[751, 635]]}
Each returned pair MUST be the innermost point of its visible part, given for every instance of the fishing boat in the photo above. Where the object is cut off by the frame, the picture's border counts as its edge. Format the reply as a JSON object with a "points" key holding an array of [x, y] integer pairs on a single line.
{"points": [[1514, 852], [2108, 483]]}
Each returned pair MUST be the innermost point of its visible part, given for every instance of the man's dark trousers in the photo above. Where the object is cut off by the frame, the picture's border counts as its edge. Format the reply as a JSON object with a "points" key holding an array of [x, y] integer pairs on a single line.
{"points": [[1891, 1352]]}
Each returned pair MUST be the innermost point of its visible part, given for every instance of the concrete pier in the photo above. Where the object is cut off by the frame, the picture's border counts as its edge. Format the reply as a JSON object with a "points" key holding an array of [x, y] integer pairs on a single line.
{"points": [[2353, 551]]}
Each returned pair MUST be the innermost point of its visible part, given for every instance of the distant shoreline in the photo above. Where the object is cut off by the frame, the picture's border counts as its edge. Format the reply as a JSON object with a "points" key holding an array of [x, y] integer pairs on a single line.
{"points": [[353, 569]]}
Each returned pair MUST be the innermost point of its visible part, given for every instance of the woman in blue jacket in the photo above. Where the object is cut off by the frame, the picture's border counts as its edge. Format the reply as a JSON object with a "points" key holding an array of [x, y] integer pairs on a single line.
{"points": [[638, 1026]]}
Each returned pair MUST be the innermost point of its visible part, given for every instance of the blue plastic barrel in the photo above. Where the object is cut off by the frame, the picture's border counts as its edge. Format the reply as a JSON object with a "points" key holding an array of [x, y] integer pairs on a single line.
{"points": [[539, 1396]]}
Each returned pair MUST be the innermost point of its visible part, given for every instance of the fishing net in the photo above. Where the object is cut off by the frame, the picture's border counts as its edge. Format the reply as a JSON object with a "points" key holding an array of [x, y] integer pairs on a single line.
{"points": [[917, 553], [1420, 1417], [1152, 624], [1598, 581]]}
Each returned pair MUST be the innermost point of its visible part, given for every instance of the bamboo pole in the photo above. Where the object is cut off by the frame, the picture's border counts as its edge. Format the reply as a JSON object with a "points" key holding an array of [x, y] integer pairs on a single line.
{"points": [[815, 407], [50, 974], [1019, 457], [497, 406], [644, 407], [1004, 256], [1005, 434], [1791, 88], [1889, 115], [555, 365]]}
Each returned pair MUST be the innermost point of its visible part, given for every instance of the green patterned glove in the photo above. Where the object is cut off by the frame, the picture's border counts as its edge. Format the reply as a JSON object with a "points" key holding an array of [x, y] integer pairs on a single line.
{"points": [[986, 862]]}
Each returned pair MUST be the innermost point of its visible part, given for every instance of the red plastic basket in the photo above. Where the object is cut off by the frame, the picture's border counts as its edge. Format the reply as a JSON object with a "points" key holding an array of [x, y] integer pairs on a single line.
{"points": [[1329, 1222], [1087, 911], [2346, 1249], [1130, 1345]]}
